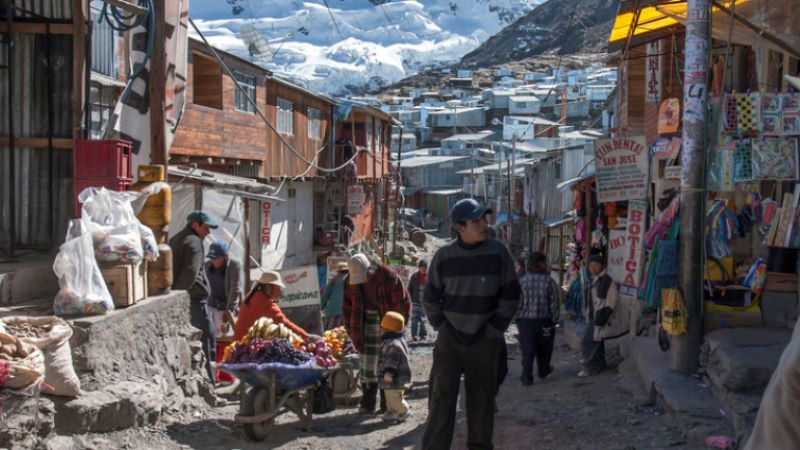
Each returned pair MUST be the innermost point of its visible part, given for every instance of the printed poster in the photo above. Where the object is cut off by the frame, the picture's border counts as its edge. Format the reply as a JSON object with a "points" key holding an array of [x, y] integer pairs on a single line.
{"points": [[774, 158], [300, 300], [669, 116], [621, 167], [625, 250]]}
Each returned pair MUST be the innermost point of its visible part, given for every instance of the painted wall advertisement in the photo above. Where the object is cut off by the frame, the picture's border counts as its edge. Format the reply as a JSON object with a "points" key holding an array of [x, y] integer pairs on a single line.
{"points": [[266, 226], [653, 73], [625, 250], [300, 300], [621, 169]]}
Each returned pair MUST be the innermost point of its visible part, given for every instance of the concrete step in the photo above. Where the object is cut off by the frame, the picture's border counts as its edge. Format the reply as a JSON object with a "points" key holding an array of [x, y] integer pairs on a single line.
{"points": [[738, 363], [27, 278], [690, 401]]}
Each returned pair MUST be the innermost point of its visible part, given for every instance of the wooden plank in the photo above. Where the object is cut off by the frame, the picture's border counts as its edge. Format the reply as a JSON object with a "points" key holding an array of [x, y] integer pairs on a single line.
{"points": [[78, 66], [39, 28], [58, 143]]}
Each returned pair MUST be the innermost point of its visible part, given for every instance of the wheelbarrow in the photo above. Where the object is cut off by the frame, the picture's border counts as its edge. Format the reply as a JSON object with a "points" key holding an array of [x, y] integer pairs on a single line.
{"points": [[276, 389]]}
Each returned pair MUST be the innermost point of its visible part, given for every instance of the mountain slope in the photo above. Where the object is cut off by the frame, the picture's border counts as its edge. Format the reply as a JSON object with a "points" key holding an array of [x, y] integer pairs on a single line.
{"points": [[557, 26], [356, 44]]}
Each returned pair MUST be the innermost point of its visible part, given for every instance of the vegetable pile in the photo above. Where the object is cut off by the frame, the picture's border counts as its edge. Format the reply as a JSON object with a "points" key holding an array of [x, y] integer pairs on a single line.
{"points": [[261, 351], [339, 342], [323, 355]]}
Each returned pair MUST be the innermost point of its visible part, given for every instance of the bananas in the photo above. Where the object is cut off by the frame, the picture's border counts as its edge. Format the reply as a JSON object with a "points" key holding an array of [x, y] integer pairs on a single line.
{"points": [[266, 329]]}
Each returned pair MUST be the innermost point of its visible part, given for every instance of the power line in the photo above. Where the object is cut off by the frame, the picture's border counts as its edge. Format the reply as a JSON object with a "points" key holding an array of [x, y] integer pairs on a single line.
{"points": [[333, 19]]}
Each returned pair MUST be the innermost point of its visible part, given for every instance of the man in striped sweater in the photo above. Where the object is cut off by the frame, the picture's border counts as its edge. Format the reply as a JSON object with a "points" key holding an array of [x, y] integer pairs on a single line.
{"points": [[470, 299]]}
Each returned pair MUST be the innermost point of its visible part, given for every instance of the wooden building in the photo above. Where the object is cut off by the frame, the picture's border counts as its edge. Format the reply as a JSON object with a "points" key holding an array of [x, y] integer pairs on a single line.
{"points": [[222, 130]]}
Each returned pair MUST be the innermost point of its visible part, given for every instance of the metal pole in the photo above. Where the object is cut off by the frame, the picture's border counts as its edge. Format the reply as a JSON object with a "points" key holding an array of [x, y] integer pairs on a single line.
{"points": [[472, 173], [397, 193], [512, 184], [247, 250], [685, 353], [12, 178]]}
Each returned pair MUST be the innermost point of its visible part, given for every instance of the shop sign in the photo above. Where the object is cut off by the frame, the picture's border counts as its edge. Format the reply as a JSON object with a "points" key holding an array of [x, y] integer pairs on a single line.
{"points": [[653, 73], [355, 199], [669, 116], [302, 287], [621, 167], [625, 250], [672, 172], [266, 226]]}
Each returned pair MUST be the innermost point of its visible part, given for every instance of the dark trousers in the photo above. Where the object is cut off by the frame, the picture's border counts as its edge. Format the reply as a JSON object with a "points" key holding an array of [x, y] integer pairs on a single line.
{"points": [[593, 353], [536, 338], [418, 319], [369, 391], [478, 362], [502, 367], [202, 319]]}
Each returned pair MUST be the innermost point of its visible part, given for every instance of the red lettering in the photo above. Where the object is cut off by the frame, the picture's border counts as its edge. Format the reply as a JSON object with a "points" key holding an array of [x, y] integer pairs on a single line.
{"points": [[634, 229], [630, 266], [635, 215], [629, 280]]}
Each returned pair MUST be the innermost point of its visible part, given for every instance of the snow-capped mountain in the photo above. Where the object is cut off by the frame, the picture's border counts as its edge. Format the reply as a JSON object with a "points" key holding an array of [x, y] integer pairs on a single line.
{"points": [[342, 46]]}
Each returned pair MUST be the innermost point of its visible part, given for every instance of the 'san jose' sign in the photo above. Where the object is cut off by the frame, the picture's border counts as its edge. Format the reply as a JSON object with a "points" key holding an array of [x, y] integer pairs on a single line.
{"points": [[621, 167]]}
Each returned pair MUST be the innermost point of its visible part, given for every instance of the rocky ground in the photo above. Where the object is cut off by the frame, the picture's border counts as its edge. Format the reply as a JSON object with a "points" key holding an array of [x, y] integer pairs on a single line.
{"points": [[609, 411]]}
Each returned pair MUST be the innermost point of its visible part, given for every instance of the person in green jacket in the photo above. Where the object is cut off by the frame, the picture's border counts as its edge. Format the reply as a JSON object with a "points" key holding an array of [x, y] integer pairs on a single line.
{"points": [[332, 298]]}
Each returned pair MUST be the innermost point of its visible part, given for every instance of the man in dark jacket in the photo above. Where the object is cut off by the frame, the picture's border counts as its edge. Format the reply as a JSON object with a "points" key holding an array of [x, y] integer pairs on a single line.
{"points": [[225, 280], [187, 266], [470, 298], [536, 318]]}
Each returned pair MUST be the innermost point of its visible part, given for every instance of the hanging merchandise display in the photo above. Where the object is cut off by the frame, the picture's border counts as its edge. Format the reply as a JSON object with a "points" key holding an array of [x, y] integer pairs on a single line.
{"points": [[721, 226], [720, 167], [771, 121], [790, 103], [674, 316], [774, 158], [669, 116], [742, 160], [747, 113]]}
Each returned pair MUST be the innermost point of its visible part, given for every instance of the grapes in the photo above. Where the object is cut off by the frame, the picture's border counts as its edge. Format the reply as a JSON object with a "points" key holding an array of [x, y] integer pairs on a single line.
{"points": [[262, 351]]}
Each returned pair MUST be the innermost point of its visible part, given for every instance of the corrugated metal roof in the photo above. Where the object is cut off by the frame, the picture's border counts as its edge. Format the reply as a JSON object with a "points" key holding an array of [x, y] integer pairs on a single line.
{"points": [[524, 98], [421, 161], [221, 179]]}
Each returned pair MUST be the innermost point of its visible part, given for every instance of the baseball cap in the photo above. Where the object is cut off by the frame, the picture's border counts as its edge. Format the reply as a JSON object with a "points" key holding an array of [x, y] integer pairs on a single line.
{"points": [[202, 217], [468, 209], [217, 249]]}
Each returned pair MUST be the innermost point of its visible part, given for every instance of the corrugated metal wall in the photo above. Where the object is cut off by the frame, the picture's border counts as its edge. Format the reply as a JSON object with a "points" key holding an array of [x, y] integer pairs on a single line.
{"points": [[35, 190], [104, 54], [51, 9]]}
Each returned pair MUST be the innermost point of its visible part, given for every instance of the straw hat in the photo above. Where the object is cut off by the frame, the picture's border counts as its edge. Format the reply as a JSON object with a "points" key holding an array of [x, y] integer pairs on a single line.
{"points": [[342, 266], [271, 277]]}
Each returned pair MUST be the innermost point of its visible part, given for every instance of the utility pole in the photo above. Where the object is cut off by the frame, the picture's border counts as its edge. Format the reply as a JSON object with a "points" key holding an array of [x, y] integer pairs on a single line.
{"points": [[511, 188], [472, 173], [159, 153], [685, 353]]}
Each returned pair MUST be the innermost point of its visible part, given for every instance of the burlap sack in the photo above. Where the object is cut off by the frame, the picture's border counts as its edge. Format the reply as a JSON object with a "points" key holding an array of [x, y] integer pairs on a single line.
{"points": [[27, 369]]}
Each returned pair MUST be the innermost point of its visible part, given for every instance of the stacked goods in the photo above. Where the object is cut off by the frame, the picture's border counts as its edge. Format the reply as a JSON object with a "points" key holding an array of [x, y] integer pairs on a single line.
{"points": [[322, 353], [263, 351], [21, 364], [266, 329], [339, 342], [50, 335]]}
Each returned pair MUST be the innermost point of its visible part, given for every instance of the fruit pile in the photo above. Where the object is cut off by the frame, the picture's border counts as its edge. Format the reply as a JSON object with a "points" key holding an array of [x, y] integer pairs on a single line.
{"points": [[262, 351], [339, 342], [265, 329], [322, 353]]}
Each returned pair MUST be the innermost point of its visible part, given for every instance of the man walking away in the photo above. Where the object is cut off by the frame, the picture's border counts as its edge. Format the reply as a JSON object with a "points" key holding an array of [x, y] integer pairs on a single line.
{"points": [[536, 318], [225, 279], [470, 298], [188, 275], [416, 288]]}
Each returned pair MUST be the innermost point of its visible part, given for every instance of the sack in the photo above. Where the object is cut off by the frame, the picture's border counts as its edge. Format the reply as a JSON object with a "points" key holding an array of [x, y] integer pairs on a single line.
{"points": [[674, 316], [323, 399], [60, 377], [83, 290], [26, 364]]}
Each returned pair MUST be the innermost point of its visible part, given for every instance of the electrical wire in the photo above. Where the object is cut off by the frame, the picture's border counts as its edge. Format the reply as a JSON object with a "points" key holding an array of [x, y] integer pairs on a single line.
{"points": [[333, 19], [121, 22]]}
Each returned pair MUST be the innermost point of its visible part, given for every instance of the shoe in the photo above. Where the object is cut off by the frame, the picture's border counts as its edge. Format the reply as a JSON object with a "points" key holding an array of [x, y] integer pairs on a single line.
{"points": [[402, 417], [549, 371], [389, 416], [584, 374], [414, 339], [220, 402], [363, 410]]}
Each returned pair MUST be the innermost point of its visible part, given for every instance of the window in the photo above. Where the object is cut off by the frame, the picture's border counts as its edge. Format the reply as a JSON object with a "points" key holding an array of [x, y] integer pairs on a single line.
{"points": [[370, 135], [379, 137], [285, 116], [314, 125], [557, 170], [206, 81], [101, 104], [248, 85]]}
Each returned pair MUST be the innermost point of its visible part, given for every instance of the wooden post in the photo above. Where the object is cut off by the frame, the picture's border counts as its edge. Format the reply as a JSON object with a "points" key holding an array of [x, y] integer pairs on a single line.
{"points": [[156, 79], [247, 250], [78, 67]]}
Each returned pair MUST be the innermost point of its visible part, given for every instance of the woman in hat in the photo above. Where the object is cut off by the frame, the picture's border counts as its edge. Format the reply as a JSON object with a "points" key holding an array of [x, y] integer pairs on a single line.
{"points": [[261, 302], [332, 297]]}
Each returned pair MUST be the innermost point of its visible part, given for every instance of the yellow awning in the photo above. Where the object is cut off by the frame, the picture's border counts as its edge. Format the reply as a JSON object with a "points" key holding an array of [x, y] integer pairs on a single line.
{"points": [[651, 18]]}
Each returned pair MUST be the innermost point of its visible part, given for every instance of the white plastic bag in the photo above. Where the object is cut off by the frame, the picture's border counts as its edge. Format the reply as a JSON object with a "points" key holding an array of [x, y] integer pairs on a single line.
{"points": [[114, 226], [149, 243], [83, 290]]}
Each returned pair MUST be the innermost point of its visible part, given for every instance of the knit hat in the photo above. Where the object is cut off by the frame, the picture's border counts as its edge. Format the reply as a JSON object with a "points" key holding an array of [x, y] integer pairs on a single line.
{"points": [[393, 321], [359, 265]]}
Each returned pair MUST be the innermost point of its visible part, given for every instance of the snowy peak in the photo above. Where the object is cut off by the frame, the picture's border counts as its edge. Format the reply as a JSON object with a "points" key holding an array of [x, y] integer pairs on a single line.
{"points": [[336, 46]]}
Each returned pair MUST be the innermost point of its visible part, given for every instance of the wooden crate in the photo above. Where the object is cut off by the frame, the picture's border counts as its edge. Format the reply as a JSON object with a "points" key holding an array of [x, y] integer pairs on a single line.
{"points": [[127, 283], [781, 282]]}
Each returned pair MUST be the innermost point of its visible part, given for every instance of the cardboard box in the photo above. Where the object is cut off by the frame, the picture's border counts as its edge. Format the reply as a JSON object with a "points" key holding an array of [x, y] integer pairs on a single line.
{"points": [[127, 283]]}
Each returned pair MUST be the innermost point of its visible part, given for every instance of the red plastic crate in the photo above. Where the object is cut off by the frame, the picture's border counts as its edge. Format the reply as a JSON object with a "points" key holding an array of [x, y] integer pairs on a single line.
{"points": [[114, 184], [103, 159]]}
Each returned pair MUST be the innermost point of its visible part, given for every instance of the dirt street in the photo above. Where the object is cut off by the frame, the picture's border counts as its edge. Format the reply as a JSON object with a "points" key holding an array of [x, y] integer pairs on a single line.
{"points": [[609, 411]]}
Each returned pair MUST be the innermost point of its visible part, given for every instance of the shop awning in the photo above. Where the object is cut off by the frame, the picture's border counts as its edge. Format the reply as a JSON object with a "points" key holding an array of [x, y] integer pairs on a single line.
{"points": [[757, 23], [561, 220], [564, 185]]}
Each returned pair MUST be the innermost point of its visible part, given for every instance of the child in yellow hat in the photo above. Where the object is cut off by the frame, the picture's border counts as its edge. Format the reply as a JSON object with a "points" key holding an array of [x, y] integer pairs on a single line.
{"points": [[394, 368]]}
